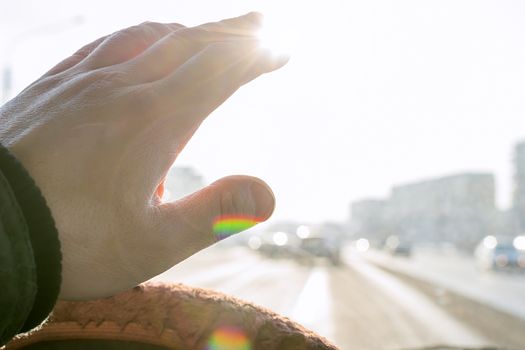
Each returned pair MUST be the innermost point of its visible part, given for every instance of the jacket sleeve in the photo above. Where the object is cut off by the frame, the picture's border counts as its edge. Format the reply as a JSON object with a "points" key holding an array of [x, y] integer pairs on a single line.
{"points": [[30, 258]]}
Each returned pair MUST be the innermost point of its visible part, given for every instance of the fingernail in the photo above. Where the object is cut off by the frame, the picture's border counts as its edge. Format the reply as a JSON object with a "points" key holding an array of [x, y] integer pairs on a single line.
{"points": [[263, 198]]}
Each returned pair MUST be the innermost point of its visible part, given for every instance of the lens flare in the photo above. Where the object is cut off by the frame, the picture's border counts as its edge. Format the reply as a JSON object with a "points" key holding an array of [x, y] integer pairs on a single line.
{"points": [[255, 242], [490, 242], [276, 36], [280, 238], [303, 231], [229, 338], [362, 244], [519, 242], [227, 225]]}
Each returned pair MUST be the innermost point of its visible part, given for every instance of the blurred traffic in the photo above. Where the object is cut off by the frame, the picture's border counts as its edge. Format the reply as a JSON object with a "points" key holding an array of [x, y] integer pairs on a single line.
{"points": [[367, 296], [501, 253], [304, 244], [436, 262]]}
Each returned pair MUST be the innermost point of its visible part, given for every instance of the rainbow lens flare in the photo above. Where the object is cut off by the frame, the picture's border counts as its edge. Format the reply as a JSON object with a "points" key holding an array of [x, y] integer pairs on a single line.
{"points": [[226, 225], [228, 338]]}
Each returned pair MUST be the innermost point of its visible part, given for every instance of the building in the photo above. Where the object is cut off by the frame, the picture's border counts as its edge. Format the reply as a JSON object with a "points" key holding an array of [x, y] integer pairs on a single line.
{"points": [[459, 209], [368, 219], [518, 204]]}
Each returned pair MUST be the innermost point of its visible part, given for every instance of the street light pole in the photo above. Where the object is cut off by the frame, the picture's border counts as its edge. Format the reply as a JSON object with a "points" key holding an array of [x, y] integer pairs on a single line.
{"points": [[6, 82]]}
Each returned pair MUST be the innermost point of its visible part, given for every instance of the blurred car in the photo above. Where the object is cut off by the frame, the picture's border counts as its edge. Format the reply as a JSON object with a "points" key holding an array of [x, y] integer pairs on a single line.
{"points": [[500, 253], [319, 246], [395, 246], [272, 244]]}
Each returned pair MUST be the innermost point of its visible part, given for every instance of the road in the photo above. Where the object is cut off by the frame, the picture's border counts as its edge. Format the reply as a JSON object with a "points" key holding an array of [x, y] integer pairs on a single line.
{"points": [[357, 305], [458, 272]]}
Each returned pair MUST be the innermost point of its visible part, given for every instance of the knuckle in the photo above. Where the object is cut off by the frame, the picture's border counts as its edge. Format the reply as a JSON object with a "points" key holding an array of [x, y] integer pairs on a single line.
{"points": [[135, 33], [148, 32], [85, 80], [112, 77], [175, 26], [87, 83], [87, 49], [98, 83], [134, 37], [41, 87], [147, 23], [47, 83], [155, 28]]}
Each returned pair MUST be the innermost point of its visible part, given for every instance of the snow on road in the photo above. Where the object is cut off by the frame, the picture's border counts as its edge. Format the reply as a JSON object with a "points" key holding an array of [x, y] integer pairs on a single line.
{"points": [[313, 305], [358, 306], [458, 273], [425, 311]]}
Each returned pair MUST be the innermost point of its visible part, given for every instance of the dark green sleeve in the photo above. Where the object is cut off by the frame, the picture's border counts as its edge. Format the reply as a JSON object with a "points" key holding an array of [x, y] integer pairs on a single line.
{"points": [[30, 259]]}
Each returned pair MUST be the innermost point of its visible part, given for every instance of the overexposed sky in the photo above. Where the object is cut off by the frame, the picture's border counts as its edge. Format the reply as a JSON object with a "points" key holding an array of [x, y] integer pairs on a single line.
{"points": [[376, 93]]}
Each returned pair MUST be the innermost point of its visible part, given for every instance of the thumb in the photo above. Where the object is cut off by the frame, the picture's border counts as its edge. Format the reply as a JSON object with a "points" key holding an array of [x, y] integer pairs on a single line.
{"points": [[228, 206]]}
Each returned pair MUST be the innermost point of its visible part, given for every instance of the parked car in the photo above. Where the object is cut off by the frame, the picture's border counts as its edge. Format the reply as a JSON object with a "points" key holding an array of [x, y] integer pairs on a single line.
{"points": [[395, 246], [499, 253], [319, 246], [274, 245]]}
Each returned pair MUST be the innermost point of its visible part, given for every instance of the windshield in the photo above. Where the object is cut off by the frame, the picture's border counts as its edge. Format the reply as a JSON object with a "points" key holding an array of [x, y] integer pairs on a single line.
{"points": [[394, 142], [508, 250]]}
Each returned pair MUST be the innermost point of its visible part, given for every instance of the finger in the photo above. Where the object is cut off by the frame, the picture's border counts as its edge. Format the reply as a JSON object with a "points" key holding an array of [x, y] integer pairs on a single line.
{"points": [[76, 57], [224, 208], [174, 49], [203, 83], [123, 45], [175, 106]]}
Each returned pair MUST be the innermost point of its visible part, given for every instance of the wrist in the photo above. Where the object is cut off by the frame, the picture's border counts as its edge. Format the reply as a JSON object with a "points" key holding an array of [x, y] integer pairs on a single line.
{"points": [[42, 235]]}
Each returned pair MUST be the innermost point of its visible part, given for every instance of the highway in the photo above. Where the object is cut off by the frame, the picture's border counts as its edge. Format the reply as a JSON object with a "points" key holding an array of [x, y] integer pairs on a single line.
{"points": [[358, 305], [458, 272]]}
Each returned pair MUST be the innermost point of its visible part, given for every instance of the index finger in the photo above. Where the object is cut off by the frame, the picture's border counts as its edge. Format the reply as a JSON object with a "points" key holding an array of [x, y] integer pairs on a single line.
{"points": [[176, 48], [203, 83]]}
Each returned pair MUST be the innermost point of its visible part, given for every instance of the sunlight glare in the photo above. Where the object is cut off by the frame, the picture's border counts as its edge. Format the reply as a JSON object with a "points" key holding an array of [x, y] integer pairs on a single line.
{"points": [[362, 245], [280, 238], [519, 242], [303, 231], [490, 242], [276, 35], [254, 242]]}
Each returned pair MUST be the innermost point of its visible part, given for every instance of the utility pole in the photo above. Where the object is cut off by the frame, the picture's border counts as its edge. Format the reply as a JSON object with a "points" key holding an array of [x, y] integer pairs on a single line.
{"points": [[6, 83]]}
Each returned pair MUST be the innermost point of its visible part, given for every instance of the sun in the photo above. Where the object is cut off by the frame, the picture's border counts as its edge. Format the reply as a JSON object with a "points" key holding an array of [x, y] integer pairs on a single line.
{"points": [[277, 35]]}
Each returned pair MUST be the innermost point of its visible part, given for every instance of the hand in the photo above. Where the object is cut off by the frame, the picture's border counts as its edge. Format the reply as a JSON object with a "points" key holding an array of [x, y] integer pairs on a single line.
{"points": [[100, 130]]}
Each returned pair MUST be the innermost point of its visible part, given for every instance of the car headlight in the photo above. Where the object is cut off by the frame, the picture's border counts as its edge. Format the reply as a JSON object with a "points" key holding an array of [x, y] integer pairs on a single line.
{"points": [[280, 238], [254, 242]]}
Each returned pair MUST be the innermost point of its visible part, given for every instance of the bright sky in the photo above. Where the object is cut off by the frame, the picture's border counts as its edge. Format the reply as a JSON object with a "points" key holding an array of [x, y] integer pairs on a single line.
{"points": [[376, 93]]}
